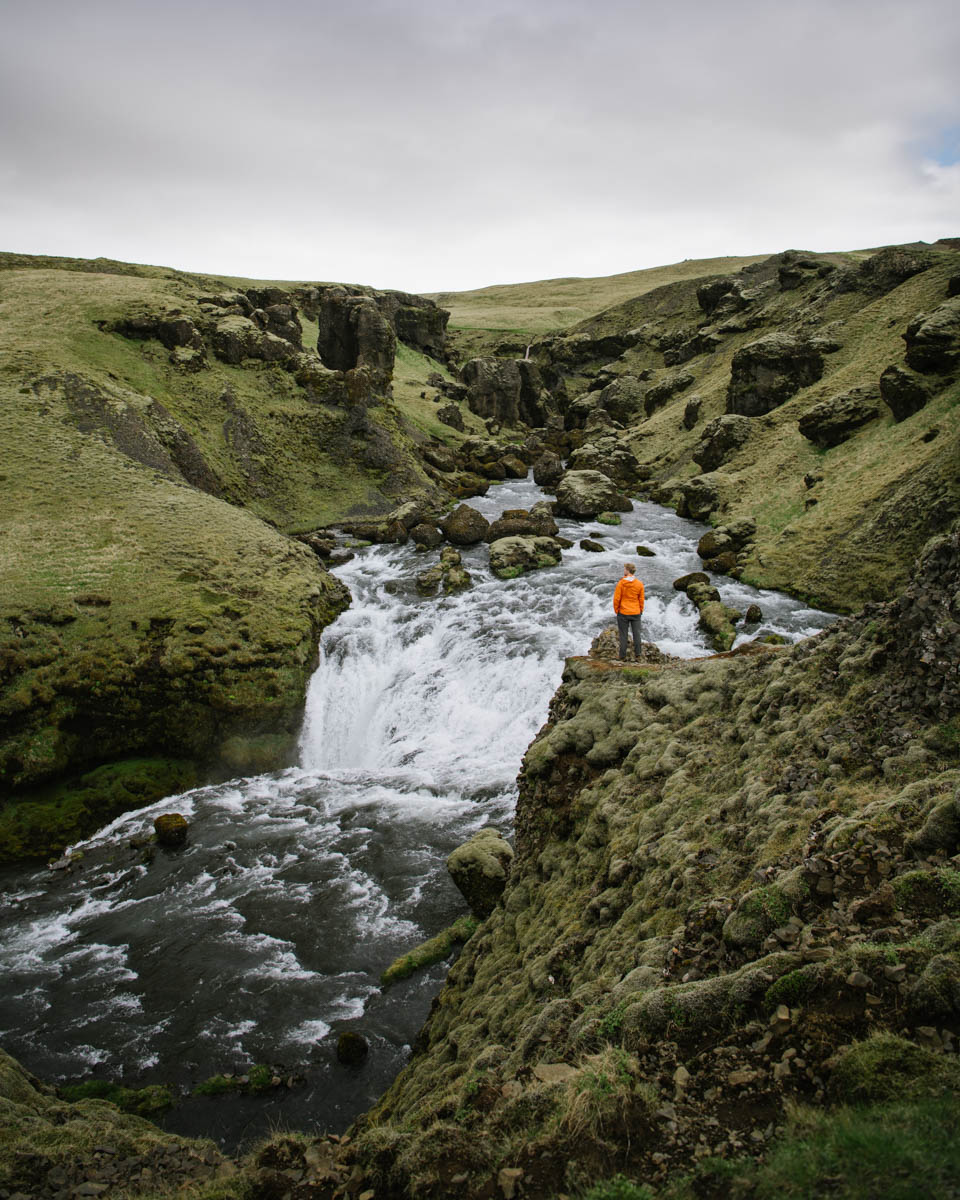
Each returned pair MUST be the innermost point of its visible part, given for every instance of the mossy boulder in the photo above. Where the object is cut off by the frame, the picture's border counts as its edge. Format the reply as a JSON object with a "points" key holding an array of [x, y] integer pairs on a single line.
{"points": [[584, 494], [935, 996], [171, 830], [513, 556], [833, 421], [352, 1048], [465, 526], [41, 823], [720, 440], [480, 868], [933, 339], [889, 1067], [904, 391]]}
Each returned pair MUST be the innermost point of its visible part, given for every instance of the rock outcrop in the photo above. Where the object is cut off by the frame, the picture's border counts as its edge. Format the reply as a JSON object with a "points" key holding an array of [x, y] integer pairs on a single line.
{"points": [[508, 391], [354, 333], [720, 440], [697, 932], [832, 421], [933, 340], [768, 372], [903, 391]]}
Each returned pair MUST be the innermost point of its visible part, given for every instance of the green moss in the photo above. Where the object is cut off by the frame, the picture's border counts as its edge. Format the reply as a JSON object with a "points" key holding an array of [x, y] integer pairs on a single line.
{"points": [[795, 987], [619, 1188], [259, 1078], [144, 1102], [39, 825], [433, 950], [888, 1067], [930, 893]]}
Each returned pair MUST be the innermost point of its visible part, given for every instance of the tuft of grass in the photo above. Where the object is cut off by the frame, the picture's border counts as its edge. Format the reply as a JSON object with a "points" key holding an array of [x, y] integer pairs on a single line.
{"points": [[605, 1096]]}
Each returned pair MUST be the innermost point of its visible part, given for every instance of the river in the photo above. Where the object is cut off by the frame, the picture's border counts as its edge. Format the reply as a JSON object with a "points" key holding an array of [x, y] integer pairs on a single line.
{"points": [[265, 936]]}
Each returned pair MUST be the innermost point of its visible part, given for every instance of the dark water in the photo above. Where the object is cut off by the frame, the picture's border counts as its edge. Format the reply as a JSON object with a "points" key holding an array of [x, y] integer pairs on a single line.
{"points": [[265, 936]]}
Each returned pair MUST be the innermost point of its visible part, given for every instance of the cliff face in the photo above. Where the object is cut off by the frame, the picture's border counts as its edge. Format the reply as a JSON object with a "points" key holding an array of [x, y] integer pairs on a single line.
{"points": [[163, 435], [736, 886]]}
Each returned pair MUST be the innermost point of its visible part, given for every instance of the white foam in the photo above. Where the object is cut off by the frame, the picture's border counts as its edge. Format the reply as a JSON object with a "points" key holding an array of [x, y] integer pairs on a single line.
{"points": [[308, 1032]]}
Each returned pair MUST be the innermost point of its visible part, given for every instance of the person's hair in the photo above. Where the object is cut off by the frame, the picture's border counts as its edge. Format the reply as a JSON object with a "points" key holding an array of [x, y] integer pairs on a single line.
{"points": [[629, 568]]}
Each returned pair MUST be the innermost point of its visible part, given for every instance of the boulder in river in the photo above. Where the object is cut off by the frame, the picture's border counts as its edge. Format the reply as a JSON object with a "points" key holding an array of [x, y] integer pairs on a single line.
{"points": [[455, 576], [584, 494], [426, 534], [465, 526], [513, 556], [685, 581], [592, 546], [171, 829], [547, 469], [515, 522], [479, 868], [352, 1048]]}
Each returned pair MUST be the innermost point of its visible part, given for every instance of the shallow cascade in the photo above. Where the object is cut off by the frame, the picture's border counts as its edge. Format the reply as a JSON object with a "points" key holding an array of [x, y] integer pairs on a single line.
{"points": [[265, 937]]}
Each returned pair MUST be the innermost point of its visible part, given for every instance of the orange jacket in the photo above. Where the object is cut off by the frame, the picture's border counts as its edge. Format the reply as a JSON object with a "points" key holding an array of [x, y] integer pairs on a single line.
{"points": [[628, 597]]}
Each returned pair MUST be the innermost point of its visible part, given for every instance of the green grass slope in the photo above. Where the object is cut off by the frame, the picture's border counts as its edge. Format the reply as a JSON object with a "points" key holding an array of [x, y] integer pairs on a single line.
{"points": [[550, 304], [851, 534], [156, 621]]}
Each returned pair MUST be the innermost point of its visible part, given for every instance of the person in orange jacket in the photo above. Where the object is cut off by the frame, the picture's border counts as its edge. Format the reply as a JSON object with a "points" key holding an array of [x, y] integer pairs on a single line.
{"points": [[628, 605]]}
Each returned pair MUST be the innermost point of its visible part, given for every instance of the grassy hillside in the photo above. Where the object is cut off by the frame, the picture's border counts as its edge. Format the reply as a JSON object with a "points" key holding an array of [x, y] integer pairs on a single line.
{"points": [[842, 524], [156, 622], [550, 304], [516, 312]]}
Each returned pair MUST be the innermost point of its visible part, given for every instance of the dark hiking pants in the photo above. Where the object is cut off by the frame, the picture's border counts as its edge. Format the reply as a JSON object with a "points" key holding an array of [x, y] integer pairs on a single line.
{"points": [[625, 623]]}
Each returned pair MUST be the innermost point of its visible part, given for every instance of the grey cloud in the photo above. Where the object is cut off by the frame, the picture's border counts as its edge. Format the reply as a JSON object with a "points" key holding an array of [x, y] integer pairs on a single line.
{"points": [[439, 145]]}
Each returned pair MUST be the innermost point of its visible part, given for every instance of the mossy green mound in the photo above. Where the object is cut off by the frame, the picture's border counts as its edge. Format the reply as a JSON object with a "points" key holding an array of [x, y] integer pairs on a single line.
{"points": [[43, 823], [434, 950]]}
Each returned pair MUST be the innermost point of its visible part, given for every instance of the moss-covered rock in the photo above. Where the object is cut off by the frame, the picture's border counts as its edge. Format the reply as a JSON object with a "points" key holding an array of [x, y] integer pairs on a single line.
{"points": [[480, 868]]}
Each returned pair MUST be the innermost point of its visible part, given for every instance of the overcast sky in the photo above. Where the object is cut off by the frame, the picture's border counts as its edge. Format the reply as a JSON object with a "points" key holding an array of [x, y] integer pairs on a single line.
{"points": [[447, 144]]}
